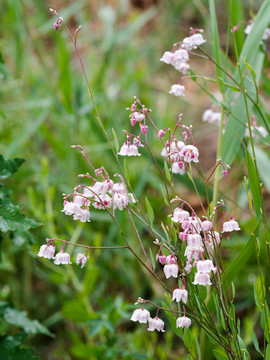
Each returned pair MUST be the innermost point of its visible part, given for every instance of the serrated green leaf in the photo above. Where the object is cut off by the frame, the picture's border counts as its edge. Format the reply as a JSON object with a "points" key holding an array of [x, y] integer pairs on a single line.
{"points": [[150, 211], [20, 319], [9, 167], [116, 142], [11, 219]]}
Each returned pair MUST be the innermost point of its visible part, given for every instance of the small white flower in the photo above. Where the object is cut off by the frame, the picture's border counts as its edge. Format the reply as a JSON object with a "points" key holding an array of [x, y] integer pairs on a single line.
{"points": [[167, 57], [195, 242], [81, 260], [206, 225], [230, 225], [183, 322], [129, 150], [171, 270], [180, 294], [190, 153], [180, 215], [120, 201], [205, 266], [178, 168], [82, 214], [177, 90], [46, 251], [181, 66], [202, 279], [141, 315], [62, 258], [197, 40], [180, 55], [156, 324], [102, 201]]}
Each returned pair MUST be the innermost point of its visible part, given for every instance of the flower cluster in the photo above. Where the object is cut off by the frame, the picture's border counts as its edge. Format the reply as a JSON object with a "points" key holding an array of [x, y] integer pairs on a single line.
{"points": [[101, 195], [179, 57], [200, 238], [178, 153], [143, 316], [47, 251]]}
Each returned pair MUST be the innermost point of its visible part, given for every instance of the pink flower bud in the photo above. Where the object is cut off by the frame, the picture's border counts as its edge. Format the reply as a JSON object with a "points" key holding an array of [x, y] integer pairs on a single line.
{"points": [[183, 236], [162, 259], [224, 173], [56, 26], [161, 133], [144, 129], [170, 259]]}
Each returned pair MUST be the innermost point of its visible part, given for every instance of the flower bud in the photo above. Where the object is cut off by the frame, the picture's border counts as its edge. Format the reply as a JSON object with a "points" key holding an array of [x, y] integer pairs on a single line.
{"points": [[161, 133], [162, 259]]}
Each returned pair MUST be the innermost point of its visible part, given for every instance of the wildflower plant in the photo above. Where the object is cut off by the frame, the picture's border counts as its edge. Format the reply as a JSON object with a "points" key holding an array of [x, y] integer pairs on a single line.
{"points": [[200, 291]]}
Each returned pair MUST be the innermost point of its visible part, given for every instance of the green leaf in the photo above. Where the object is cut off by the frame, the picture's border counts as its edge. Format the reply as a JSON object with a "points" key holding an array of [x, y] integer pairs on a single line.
{"points": [[198, 348], [254, 185], [258, 293], [220, 354], [254, 56], [10, 348], [20, 319], [11, 219], [267, 353], [116, 142], [9, 167], [187, 338], [217, 52], [126, 170], [167, 171], [150, 211], [255, 341], [75, 310]]}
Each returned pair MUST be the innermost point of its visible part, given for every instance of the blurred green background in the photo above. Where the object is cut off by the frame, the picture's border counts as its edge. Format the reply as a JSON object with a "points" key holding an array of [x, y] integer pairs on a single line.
{"points": [[44, 109]]}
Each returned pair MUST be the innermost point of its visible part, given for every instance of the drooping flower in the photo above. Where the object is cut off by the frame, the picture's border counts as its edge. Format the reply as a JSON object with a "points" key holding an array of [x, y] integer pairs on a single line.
{"points": [[156, 324], [62, 258], [81, 260], [46, 251], [190, 153], [202, 279], [206, 225], [178, 168], [183, 322], [177, 90], [180, 215], [141, 315], [171, 270], [82, 214], [167, 57], [205, 266], [129, 150], [230, 225], [180, 294]]}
